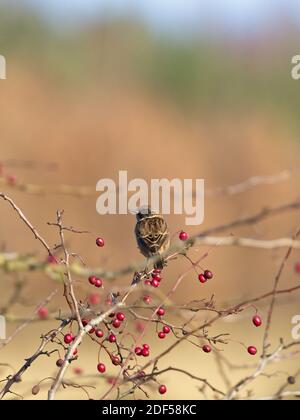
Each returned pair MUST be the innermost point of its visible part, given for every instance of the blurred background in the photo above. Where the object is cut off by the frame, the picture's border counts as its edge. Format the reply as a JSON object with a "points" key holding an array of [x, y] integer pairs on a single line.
{"points": [[176, 89]]}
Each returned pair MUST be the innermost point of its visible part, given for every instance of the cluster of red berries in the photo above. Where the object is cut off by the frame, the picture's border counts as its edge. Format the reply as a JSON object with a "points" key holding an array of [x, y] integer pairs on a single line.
{"points": [[166, 330], [118, 319], [95, 281], [142, 351], [155, 278], [206, 275]]}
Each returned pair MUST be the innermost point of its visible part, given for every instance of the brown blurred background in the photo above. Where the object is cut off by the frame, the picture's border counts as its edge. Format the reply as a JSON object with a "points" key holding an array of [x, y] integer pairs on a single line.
{"points": [[86, 98]]}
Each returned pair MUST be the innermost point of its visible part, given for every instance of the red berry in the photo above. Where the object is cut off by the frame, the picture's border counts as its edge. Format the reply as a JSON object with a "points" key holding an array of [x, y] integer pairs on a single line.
{"points": [[115, 360], [11, 179], [100, 242], [257, 321], [120, 316], [146, 346], [156, 277], [202, 278], [145, 352], [147, 300], [85, 322], [59, 362], [92, 280], [112, 338], [162, 389], [138, 351], [208, 274], [156, 271], [99, 333], [297, 267], [52, 259], [161, 335], [101, 367], [166, 329], [140, 326], [206, 348], [160, 311], [68, 338], [252, 350], [155, 283], [147, 283], [94, 299], [183, 236], [98, 282], [116, 323], [141, 374], [78, 370], [43, 312]]}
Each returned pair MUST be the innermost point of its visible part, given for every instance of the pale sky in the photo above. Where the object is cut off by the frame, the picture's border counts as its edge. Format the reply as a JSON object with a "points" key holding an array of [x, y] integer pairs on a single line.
{"points": [[231, 15]]}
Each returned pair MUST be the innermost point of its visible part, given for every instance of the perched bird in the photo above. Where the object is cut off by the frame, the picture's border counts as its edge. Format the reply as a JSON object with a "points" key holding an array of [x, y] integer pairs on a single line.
{"points": [[152, 234]]}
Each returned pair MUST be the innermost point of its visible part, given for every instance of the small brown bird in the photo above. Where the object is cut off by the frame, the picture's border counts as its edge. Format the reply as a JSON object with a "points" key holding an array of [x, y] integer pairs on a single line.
{"points": [[152, 234]]}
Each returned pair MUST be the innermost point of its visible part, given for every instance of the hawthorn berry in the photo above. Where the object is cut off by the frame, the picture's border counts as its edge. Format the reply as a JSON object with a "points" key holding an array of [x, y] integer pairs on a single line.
{"points": [[146, 346], [160, 311], [166, 329], [161, 335], [11, 179], [154, 283], [156, 277], [156, 271], [52, 259], [206, 348], [94, 299], [112, 338], [208, 274], [257, 321], [202, 278], [162, 389], [252, 350], [92, 280], [98, 282], [148, 283], [138, 351], [100, 242], [145, 352], [35, 390], [99, 333], [147, 300], [183, 236], [43, 312], [68, 338], [59, 362], [120, 316], [116, 323], [297, 267], [78, 370], [115, 360], [101, 367]]}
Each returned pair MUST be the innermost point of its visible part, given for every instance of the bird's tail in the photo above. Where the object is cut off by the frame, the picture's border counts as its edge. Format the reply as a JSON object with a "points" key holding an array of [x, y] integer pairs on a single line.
{"points": [[160, 263]]}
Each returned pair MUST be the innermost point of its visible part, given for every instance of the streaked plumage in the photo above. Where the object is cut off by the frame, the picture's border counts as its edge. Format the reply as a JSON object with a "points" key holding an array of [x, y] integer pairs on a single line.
{"points": [[152, 234]]}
